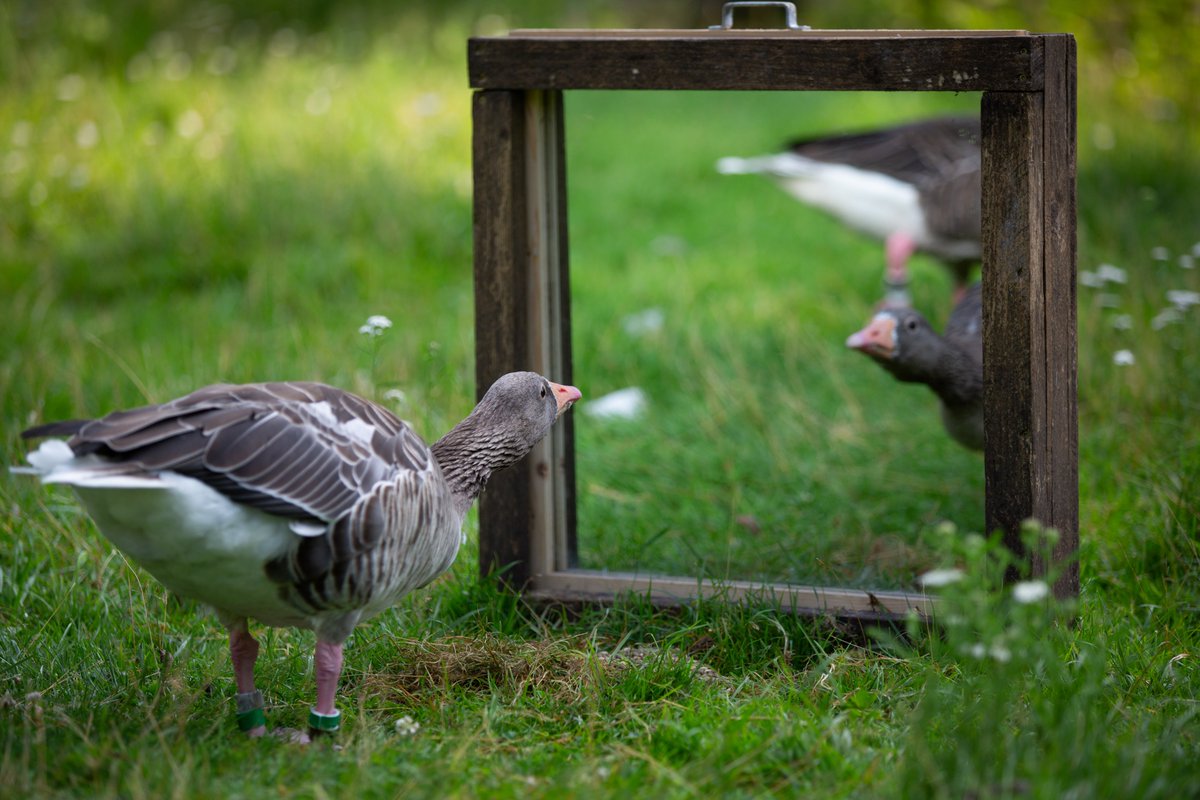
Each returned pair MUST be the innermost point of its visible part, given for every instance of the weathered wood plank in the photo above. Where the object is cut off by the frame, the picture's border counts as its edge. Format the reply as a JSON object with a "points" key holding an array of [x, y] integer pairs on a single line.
{"points": [[745, 62], [567, 547], [549, 351], [668, 589], [760, 33], [1061, 351], [522, 318], [501, 308], [1014, 314]]}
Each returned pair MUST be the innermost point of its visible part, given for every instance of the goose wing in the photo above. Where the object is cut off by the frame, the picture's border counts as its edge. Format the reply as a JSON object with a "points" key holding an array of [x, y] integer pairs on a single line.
{"points": [[917, 153], [303, 451]]}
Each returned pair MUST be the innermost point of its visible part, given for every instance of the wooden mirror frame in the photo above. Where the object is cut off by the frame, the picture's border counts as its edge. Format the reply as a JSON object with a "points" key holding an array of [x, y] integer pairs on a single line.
{"points": [[522, 298]]}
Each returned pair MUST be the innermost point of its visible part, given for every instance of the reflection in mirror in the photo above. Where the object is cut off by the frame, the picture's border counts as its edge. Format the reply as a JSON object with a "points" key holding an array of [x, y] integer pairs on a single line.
{"points": [[740, 438]]}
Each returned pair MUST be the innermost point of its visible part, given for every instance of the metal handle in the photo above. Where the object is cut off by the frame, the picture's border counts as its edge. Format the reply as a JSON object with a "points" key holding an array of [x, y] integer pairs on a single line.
{"points": [[789, 10]]}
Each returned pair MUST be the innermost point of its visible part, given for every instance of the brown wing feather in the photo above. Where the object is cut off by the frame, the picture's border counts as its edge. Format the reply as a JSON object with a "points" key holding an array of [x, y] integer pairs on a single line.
{"points": [[396, 539], [284, 448], [917, 153], [67, 427]]}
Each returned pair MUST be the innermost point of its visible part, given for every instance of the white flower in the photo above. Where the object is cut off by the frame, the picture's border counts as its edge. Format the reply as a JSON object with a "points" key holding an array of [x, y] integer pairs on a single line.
{"points": [[1122, 322], [319, 101], [997, 650], [1181, 299], [1196, 250], [1109, 300], [22, 133], [407, 726], [1187, 261], [946, 528], [88, 135], [428, 104], [15, 162], [1091, 279], [79, 176], [1030, 591], [190, 124], [668, 245], [1168, 316], [1160, 253], [628, 403], [395, 395], [940, 577], [1123, 358], [1107, 272], [642, 322], [375, 326]]}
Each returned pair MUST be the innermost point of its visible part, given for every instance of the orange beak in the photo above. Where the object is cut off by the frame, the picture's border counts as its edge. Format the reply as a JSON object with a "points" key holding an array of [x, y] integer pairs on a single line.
{"points": [[878, 339], [565, 396]]}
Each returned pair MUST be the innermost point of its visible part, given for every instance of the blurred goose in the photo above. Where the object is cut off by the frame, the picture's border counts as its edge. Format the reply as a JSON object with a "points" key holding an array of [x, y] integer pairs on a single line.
{"points": [[951, 365], [296, 504], [914, 186]]}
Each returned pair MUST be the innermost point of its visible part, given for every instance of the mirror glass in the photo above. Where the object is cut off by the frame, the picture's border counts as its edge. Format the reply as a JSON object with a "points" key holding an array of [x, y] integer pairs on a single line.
{"points": [[728, 432]]}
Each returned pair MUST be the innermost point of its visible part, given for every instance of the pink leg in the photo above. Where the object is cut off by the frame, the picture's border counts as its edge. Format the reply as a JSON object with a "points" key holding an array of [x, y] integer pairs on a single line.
{"points": [[328, 668], [243, 651], [899, 247]]}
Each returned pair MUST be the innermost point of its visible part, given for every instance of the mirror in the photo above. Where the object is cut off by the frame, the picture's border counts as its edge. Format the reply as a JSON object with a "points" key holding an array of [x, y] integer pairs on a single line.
{"points": [[525, 319]]}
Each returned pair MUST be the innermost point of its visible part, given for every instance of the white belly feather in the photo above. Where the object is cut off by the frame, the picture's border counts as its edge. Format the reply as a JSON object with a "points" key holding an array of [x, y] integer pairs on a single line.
{"points": [[198, 543], [869, 202]]}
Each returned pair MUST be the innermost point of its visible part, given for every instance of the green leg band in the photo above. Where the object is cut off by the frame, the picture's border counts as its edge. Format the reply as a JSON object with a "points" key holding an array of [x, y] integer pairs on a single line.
{"points": [[250, 711], [324, 723], [249, 720]]}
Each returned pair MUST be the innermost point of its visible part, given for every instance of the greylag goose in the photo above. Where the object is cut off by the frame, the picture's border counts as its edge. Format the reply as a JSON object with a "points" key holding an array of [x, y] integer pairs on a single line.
{"points": [[904, 343], [296, 504], [914, 186]]}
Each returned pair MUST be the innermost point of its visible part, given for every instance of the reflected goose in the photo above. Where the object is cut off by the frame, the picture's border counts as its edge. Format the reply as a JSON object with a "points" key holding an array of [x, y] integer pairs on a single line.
{"points": [[914, 186], [295, 504], [904, 344]]}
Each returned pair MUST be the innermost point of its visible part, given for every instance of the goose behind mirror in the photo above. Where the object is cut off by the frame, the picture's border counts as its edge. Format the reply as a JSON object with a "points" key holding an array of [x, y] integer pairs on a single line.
{"points": [[291, 503]]}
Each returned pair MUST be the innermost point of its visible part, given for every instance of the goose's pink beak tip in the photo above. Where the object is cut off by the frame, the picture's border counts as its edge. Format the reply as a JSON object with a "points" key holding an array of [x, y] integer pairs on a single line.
{"points": [[565, 395]]}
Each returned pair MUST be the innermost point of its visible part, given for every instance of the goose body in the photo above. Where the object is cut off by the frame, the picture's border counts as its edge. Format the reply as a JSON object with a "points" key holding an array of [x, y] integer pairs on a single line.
{"points": [[914, 186], [903, 342], [294, 504]]}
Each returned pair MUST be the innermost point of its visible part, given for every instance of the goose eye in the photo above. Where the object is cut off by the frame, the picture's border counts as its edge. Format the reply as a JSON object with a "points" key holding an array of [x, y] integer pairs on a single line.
{"points": [[543, 390], [911, 324]]}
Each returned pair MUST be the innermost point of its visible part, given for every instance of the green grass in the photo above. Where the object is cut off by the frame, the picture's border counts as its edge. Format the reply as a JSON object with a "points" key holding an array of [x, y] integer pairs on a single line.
{"points": [[229, 201]]}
